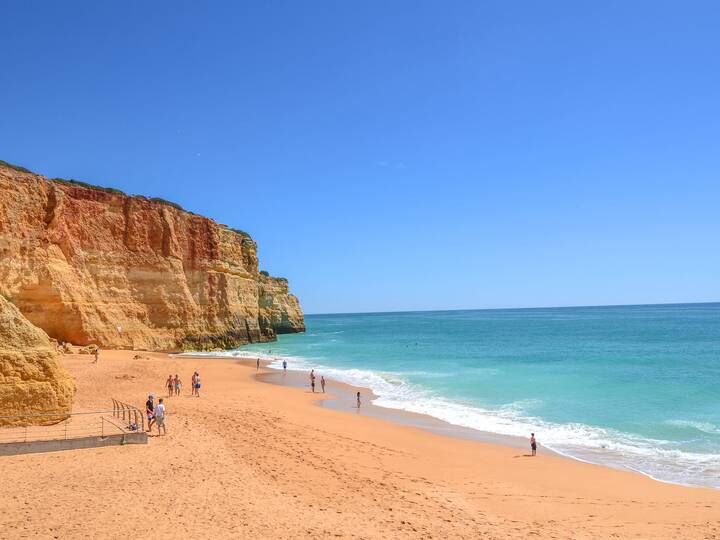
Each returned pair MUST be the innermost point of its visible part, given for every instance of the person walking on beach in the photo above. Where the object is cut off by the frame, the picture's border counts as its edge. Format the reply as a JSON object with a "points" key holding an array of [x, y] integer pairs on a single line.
{"points": [[150, 411], [322, 383], [284, 366], [192, 383], [197, 384], [312, 380], [257, 365], [97, 355], [178, 384], [358, 400], [170, 385], [160, 416], [533, 444]]}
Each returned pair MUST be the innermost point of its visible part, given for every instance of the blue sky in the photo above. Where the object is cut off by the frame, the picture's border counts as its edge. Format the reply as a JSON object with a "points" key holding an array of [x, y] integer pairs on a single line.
{"points": [[397, 155]]}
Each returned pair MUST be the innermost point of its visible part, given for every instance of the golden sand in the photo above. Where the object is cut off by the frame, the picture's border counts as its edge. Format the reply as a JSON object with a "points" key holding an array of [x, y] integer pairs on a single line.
{"points": [[254, 460]]}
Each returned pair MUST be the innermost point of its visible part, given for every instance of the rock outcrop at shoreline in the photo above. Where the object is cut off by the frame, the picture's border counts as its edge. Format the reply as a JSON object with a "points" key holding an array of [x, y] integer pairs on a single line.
{"points": [[92, 265], [31, 380]]}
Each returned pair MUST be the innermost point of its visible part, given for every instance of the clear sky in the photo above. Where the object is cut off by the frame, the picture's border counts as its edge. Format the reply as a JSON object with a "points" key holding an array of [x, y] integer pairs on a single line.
{"points": [[397, 155]]}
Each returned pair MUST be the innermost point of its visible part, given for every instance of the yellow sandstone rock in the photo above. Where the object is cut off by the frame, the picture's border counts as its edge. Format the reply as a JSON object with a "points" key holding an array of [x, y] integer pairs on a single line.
{"points": [[31, 380], [95, 266]]}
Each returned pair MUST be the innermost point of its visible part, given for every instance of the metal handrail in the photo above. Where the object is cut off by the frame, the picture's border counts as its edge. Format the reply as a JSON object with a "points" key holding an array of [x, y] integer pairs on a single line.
{"points": [[128, 412], [72, 426], [39, 415]]}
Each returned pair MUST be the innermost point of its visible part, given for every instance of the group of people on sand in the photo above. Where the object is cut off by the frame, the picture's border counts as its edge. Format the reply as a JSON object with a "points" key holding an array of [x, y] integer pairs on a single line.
{"points": [[313, 377], [155, 414], [174, 385], [312, 381]]}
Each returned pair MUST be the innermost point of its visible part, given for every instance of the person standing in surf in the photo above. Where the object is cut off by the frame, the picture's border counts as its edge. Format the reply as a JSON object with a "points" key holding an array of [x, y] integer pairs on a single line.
{"points": [[322, 383], [358, 400], [533, 444], [312, 380], [284, 366]]}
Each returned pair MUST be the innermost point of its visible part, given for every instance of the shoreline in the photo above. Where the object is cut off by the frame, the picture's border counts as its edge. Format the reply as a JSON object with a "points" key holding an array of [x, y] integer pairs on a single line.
{"points": [[345, 403], [341, 397], [265, 461]]}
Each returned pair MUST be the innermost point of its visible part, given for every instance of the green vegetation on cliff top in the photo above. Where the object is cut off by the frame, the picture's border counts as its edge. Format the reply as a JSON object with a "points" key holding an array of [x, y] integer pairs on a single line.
{"points": [[113, 191], [80, 183], [16, 167]]}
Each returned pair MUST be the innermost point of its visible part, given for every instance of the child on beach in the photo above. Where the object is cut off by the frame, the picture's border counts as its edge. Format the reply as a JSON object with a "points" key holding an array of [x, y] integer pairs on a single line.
{"points": [[322, 383], [160, 416], [170, 385]]}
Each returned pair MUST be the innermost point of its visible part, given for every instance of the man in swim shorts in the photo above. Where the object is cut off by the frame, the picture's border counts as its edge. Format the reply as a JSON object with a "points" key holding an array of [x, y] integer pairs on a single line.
{"points": [[150, 411]]}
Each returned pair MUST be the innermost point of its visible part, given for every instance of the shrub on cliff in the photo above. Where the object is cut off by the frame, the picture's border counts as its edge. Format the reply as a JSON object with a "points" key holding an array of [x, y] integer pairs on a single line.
{"points": [[79, 183], [169, 203], [240, 232], [16, 167]]}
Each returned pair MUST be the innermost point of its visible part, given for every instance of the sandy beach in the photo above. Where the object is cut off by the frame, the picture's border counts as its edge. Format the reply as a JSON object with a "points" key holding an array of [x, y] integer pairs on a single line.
{"points": [[255, 460]]}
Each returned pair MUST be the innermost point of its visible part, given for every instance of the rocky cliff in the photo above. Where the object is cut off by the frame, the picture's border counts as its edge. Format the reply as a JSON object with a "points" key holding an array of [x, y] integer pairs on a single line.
{"points": [[92, 265], [31, 381]]}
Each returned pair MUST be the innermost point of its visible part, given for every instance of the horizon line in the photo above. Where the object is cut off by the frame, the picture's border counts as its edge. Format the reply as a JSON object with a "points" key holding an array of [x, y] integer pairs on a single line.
{"points": [[515, 308]]}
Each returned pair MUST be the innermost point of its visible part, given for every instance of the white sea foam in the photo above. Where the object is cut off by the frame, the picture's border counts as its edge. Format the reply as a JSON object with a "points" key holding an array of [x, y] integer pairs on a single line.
{"points": [[705, 427], [658, 459]]}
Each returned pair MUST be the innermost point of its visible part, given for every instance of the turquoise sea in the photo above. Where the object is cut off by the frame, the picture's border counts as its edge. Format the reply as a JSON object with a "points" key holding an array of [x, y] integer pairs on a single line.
{"points": [[634, 387]]}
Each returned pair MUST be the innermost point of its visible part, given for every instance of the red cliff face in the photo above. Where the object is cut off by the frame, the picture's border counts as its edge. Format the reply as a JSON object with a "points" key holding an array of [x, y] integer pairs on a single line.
{"points": [[92, 266]]}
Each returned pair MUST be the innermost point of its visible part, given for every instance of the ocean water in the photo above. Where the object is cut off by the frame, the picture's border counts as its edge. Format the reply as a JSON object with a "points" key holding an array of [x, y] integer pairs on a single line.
{"points": [[633, 387]]}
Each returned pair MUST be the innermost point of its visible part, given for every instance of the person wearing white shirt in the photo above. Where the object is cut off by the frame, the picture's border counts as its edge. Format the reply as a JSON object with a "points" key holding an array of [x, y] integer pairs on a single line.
{"points": [[160, 416]]}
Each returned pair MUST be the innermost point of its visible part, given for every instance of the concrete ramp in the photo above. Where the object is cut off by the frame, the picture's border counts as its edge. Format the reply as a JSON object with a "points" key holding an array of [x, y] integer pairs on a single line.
{"points": [[34, 447]]}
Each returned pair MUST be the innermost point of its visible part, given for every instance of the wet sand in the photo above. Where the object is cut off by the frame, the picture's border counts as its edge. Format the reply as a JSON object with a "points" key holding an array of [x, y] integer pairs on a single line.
{"points": [[342, 397], [253, 460]]}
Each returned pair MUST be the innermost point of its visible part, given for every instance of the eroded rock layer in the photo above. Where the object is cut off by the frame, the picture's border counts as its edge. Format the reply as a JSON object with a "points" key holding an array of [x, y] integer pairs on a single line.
{"points": [[31, 380], [93, 266]]}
